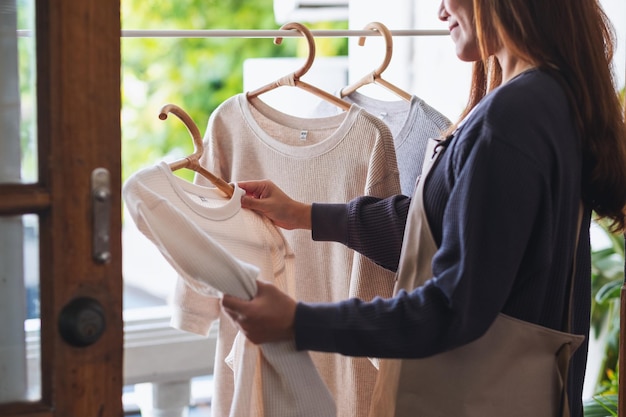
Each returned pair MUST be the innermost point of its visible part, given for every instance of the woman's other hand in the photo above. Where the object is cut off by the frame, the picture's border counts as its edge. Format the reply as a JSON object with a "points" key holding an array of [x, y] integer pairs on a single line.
{"points": [[268, 199], [268, 317]]}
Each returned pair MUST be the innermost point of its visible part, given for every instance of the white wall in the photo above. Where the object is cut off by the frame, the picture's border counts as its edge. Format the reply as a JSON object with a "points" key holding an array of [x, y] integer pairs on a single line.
{"points": [[424, 65], [616, 9]]}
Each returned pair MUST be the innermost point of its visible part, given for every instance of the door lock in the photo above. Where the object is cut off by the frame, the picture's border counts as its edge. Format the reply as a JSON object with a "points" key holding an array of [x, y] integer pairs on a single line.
{"points": [[82, 322]]}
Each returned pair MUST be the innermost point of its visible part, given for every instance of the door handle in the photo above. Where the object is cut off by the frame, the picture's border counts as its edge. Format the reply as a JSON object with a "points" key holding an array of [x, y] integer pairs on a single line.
{"points": [[82, 322], [101, 206]]}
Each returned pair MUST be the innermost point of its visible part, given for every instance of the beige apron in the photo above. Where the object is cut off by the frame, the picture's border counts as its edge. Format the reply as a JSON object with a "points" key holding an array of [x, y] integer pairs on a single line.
{"points": [[516, 369]]}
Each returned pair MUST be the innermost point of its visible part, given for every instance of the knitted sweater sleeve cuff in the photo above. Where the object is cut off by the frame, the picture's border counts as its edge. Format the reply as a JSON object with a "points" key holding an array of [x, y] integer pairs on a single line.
{"points": [[329, 222], [313, 327]]}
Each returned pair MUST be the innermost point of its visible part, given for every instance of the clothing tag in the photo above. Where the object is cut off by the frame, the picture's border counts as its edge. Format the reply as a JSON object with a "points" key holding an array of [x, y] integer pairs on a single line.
{"points": [[303, 134]]}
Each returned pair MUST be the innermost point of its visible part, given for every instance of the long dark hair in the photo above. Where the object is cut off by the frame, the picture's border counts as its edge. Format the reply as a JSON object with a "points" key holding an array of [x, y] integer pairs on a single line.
{"points": [[575, 41]]}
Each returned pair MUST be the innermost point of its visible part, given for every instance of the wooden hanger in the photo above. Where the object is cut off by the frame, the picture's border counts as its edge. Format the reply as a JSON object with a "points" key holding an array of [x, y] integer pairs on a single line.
{"points": [[375, 76], [293, 79], [193, 161]]}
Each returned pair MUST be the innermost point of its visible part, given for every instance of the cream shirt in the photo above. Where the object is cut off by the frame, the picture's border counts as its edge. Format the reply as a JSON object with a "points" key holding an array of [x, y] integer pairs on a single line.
{"points": [[218, 248]]}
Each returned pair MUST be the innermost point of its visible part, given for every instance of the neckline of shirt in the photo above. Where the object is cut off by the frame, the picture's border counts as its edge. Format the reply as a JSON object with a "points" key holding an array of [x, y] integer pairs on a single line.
{"points": [[225, 208], [406, 109], [341, 123]]}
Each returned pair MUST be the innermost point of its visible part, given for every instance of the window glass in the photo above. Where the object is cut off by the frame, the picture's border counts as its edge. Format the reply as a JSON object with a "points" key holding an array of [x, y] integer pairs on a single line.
{"points": [[19, 302]]}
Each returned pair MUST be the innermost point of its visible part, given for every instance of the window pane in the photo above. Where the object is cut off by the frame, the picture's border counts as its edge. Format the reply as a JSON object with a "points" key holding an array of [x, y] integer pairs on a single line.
{"points": [[18, 149], [19, 305]]}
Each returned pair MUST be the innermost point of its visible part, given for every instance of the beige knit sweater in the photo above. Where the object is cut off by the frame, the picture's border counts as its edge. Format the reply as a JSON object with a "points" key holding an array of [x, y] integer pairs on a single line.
{"points": [[329, 159]]}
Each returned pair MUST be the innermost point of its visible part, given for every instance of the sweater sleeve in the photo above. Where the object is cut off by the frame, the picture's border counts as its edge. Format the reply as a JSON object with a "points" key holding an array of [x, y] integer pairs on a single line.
{"points": [[371, 226]]}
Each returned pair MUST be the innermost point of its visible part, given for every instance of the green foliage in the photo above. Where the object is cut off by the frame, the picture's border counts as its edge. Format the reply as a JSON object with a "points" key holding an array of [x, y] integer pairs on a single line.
{"points": [[197, 74], [26, 71], [606, 280], [601, 406]]}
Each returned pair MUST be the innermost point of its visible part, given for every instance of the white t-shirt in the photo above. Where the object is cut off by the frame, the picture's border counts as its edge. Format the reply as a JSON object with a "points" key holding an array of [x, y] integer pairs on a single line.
{"points": [[218, 248]]}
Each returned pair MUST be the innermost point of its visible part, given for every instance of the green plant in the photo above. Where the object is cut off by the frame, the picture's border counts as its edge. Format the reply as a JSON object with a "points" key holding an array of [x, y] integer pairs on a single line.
{"points": [[607, 280], [601, 406]]}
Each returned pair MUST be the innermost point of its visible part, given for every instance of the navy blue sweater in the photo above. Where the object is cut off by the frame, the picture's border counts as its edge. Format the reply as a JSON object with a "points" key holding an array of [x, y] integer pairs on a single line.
{"points": [[502, 202]]}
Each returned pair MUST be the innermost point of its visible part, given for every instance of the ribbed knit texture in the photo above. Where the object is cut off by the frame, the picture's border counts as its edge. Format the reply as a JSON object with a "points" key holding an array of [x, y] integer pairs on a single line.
{"points": [[411, 125], [218, 248], [330, 159]]}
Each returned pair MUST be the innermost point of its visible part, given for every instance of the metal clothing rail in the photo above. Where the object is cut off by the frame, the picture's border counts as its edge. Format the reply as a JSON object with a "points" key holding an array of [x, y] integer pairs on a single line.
{"points": [[233, 33], [270, 33]]}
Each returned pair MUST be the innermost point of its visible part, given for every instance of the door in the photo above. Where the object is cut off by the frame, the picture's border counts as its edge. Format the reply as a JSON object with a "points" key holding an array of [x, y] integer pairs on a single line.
{"points": [[60, 242]]}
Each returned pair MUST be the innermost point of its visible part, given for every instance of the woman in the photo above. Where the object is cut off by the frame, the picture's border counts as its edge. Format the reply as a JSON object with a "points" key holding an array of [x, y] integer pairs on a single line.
{"points": [[542, 131]]}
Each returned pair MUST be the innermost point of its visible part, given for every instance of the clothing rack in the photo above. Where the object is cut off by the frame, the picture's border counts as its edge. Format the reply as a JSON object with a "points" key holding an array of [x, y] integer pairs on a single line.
{"points": [[270, 33], [257, 33]]}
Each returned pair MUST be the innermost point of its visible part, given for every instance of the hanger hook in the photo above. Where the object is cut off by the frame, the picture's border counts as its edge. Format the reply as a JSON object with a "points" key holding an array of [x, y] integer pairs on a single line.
{"points": [[386, 33], [187, 120], [310, 42]]}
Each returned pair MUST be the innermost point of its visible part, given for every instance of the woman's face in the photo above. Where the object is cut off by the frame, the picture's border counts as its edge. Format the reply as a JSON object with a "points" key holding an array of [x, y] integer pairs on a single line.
{"points": [[460, 17]]}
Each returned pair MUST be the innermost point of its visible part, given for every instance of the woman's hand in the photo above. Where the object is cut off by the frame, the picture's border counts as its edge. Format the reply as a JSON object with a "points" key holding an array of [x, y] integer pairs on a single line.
{"points": [[268, 317], [266, 198]]}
